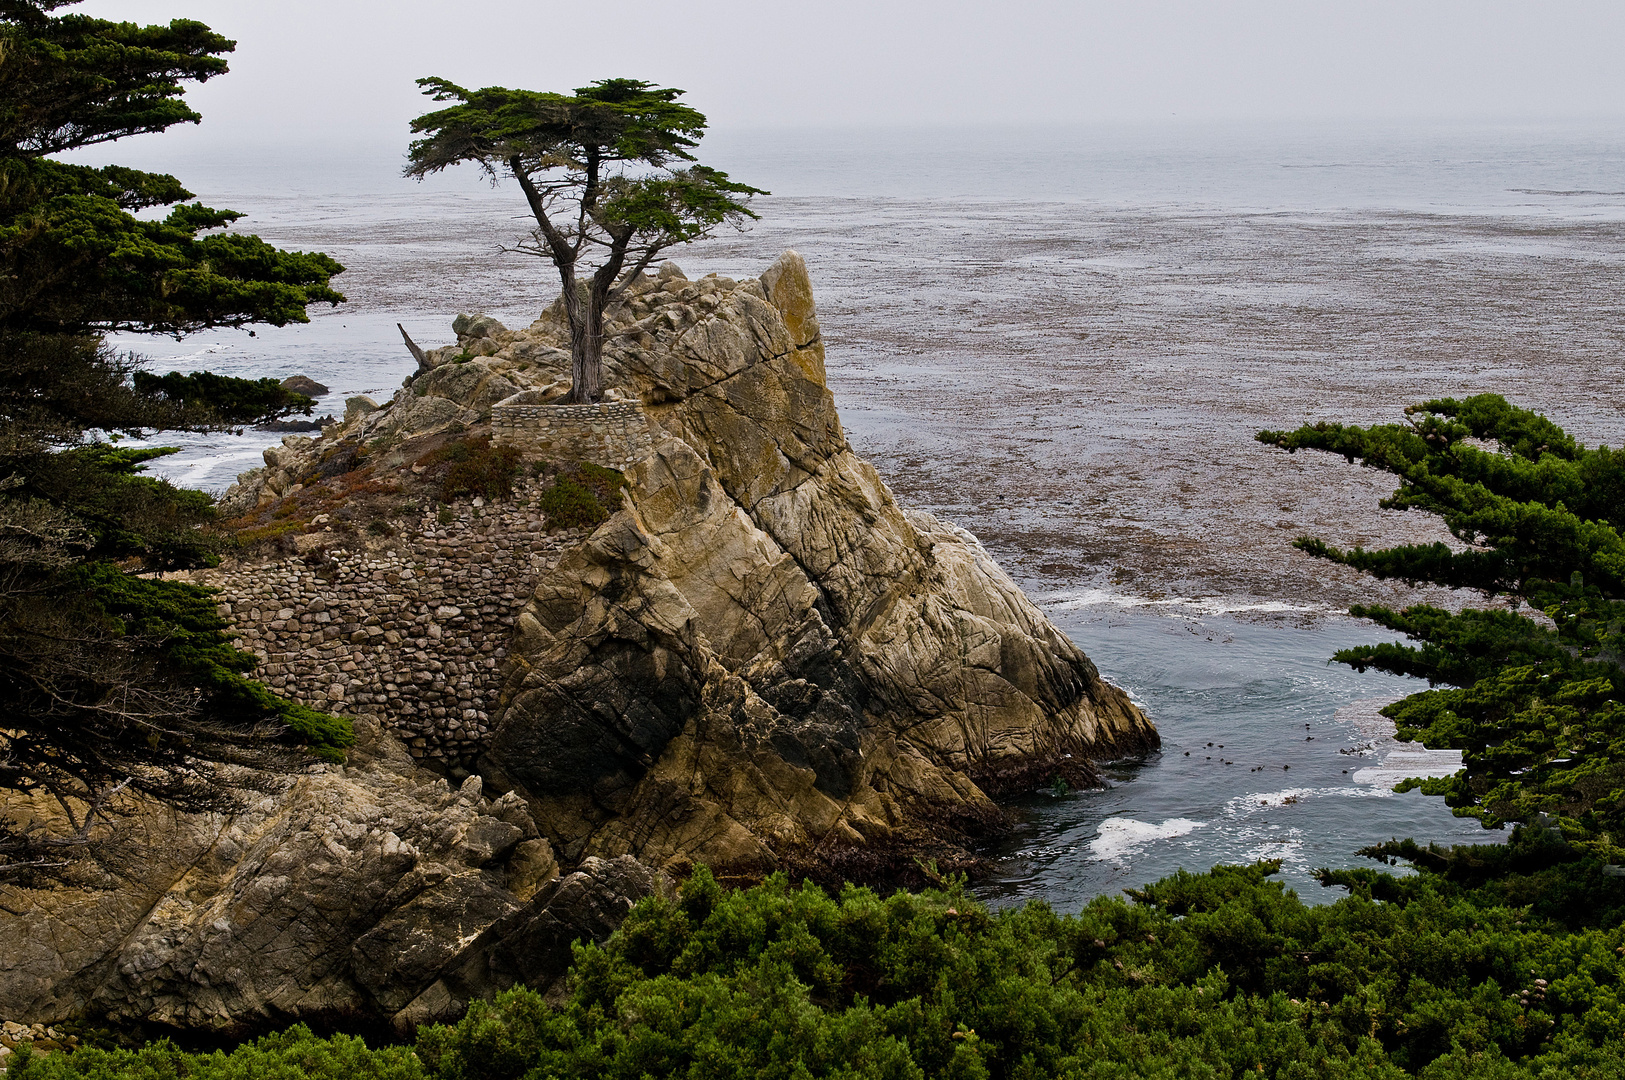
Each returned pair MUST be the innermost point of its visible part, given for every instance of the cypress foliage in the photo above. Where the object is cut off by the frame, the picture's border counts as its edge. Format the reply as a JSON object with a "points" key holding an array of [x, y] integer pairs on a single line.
{"points": [[1536, 704], [110, 681]]}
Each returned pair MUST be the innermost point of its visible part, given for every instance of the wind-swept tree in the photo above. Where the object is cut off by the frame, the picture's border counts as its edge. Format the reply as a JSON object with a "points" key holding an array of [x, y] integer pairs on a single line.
{"points": [[1536, 705], [607, 174], [110, 681]]}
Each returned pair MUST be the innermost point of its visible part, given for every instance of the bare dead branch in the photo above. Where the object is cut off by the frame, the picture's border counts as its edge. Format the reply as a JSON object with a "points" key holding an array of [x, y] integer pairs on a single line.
{"points": [[412, 347]]}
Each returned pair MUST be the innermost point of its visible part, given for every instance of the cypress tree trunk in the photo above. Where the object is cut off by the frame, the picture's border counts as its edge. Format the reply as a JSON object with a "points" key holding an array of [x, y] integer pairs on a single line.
{"points": [[586, 343]]}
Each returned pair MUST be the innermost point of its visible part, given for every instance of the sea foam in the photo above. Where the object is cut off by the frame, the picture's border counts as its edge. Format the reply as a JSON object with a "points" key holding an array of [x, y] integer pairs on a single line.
{"points": [[1121, 837]]}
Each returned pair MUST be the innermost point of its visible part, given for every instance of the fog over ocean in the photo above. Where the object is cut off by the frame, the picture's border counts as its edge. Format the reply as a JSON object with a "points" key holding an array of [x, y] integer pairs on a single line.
{"points": [[1063, 340]]}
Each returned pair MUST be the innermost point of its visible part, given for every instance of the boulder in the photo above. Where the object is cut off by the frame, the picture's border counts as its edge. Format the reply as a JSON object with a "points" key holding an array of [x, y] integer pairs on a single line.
{"points": [[413, 415], [788, 285], [476, 326], [301, 384], [352, 893], [358, 406], [532, 946], [474, 384]]}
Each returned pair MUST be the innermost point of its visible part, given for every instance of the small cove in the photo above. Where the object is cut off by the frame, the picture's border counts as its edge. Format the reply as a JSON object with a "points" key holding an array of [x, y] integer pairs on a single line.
{"points": [[1286, 760]]}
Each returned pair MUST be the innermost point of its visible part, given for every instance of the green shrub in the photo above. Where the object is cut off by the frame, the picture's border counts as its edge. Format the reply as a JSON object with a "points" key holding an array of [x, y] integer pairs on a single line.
{"points": [[1222, 974], [568, 505], [1219, 974], [477, 468], [602, 482], [289, 1055], [580, 496]]}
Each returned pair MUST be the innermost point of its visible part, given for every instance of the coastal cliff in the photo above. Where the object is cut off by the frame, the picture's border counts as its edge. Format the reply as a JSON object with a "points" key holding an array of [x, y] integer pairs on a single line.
{"points": [[759, 661]]}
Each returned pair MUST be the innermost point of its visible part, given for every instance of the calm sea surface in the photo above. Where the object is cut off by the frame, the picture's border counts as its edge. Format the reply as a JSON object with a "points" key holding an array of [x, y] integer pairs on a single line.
{"points": [[1064, 341]]}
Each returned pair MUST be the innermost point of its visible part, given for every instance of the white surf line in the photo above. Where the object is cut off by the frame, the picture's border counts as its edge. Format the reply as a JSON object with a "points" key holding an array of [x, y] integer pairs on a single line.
{"points": [[1408, 760], [1200, 605], [1400, 761]]}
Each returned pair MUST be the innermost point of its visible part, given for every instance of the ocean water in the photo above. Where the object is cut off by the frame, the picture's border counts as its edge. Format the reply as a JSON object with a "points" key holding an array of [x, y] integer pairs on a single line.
{"points": [[1269, 752], [1064, 341]]}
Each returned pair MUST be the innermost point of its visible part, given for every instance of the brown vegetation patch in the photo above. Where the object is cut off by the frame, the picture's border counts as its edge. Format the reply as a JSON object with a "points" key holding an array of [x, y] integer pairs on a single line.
{"points": [[355, 489], [473, 467]]}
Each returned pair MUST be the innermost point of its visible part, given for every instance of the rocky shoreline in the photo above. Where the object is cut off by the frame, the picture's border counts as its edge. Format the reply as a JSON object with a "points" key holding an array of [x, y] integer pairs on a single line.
{"points": [[759, 662], [38, 1038]]}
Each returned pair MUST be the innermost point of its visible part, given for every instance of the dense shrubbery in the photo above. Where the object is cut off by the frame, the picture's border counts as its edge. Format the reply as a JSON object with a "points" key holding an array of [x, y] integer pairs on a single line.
{"points": [[476, 468], [581, 496], [1217, 974], [290, 1055]]}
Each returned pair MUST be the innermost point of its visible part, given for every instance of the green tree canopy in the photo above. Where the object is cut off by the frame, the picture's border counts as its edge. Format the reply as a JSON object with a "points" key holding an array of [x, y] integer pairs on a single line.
{"points": [[73, 257], [109, 681], [1535, 704], [606, 172]]}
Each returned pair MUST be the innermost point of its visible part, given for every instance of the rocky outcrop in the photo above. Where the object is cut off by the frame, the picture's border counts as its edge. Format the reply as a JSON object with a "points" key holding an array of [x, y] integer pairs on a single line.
{"points": [[760, 661], [40, 1039], [369, 892]]}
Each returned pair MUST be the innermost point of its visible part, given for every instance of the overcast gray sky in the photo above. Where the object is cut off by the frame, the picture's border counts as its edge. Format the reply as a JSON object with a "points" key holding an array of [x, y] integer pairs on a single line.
{"points": [[344, 69]]}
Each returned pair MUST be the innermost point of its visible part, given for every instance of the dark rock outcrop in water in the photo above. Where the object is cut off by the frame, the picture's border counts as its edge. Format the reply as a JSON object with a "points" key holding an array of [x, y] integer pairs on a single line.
{"points": [[760, 661], [304, 384], [296, 426]]}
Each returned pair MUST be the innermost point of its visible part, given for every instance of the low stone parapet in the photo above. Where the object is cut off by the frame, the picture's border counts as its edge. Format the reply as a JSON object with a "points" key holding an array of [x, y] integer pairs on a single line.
{"points": [[612, 434]]}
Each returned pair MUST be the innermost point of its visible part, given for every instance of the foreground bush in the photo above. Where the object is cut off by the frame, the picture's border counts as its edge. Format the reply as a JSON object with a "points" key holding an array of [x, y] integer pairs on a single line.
{"points": [[476, 467], [1201, 975], [290, 1055]]}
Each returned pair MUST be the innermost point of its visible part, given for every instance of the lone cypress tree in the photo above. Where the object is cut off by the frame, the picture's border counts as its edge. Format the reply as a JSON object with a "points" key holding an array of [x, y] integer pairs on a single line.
{"points": [[599, 170], [111, 681]]}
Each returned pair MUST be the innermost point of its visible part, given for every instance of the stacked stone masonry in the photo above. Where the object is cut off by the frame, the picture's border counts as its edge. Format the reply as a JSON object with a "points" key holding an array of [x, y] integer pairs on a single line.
{"points": [[413, 630], [612, 434]]}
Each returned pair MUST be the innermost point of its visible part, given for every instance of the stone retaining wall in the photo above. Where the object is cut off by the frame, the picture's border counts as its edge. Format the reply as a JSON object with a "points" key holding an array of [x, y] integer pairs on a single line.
{"points": [[411, 629], [611, 433]]}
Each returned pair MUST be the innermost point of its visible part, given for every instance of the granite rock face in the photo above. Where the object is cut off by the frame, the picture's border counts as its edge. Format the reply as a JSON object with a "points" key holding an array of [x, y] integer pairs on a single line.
{"points": [[355, 893], [760, 662]]}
